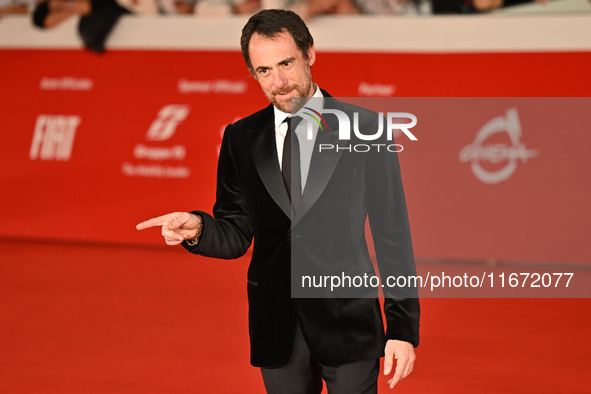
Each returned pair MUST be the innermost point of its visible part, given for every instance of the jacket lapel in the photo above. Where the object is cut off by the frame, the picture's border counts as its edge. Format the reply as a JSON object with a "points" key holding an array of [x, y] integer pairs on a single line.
{"points": [[264, 154], [322, 164]]}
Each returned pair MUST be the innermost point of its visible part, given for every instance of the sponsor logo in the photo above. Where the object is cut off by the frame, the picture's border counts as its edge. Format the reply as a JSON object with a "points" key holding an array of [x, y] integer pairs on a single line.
{"points": [[375, 90], [164, 161], [65, 83], [176, 152], [53, 137], [220, 86], [165, 124], [154, 171], [493, 161]]}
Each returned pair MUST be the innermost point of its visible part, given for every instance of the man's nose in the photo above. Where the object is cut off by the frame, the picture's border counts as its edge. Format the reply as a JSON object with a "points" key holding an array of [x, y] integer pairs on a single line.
{"points": [[279, 79]]}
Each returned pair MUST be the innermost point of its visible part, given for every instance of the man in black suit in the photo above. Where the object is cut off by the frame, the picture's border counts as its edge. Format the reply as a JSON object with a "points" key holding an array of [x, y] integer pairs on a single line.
{"points": [[308, 210]]}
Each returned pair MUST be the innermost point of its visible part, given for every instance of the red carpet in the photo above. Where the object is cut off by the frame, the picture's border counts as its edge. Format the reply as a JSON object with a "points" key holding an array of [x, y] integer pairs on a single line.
{"points": [[89, 319]]}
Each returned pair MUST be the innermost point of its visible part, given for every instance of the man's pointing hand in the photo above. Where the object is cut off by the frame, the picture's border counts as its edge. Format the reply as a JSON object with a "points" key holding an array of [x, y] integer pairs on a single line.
{"points": [[176, 226]]}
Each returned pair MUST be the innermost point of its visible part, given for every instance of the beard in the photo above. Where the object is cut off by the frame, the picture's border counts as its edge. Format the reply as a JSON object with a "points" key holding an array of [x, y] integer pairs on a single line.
{"points": [[302, 90]]}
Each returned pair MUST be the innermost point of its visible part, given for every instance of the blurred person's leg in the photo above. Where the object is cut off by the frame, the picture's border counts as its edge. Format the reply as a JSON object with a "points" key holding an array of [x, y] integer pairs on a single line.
{"points": [[95, 27]]}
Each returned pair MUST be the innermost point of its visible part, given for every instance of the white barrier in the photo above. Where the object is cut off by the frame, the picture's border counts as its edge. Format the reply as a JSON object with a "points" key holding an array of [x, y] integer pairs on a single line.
{"points": [[486, 33]]}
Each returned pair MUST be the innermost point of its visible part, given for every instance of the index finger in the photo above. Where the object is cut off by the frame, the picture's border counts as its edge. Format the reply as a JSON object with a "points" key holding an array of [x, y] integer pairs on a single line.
{"points": [[388, 360], [159, 221]]}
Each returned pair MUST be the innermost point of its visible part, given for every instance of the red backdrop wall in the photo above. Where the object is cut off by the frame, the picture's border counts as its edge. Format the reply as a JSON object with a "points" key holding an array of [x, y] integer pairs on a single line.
{"points": [[92, 144]]}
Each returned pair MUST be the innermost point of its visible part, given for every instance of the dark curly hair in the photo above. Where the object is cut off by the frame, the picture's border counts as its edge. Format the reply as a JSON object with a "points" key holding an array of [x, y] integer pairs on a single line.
{"points": [[269, 23]]}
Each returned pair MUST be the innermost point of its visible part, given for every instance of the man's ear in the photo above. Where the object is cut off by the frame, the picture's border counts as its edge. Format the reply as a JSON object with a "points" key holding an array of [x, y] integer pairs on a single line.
{"points": [[311, 55]]}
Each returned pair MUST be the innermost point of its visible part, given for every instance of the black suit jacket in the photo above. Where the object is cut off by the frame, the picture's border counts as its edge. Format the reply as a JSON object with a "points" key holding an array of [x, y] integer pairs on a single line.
{"points": [[342, 187]]}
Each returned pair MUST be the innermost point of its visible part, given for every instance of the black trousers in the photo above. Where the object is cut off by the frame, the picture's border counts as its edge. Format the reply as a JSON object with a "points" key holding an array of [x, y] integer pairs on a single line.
{"points": [[304, 375]]}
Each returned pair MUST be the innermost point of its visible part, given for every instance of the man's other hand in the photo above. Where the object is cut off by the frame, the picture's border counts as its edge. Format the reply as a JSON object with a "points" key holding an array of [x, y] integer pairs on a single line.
{"points": [[176, 226], [404, 354]]}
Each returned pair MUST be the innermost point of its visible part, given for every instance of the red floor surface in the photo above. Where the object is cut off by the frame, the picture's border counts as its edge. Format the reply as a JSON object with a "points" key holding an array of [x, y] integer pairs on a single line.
{"points": [[89, 319]]}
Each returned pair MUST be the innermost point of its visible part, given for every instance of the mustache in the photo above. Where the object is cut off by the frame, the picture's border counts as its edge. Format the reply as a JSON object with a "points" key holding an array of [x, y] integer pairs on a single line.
{"points": [[284, 90]]}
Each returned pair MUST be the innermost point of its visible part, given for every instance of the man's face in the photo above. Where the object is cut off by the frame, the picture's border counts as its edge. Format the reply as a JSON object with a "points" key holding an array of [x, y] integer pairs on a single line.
{"points": [[281, 69]]}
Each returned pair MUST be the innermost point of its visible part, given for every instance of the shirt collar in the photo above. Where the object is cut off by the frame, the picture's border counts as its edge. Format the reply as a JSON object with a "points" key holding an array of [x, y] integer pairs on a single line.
{"points": [[280, 115]]}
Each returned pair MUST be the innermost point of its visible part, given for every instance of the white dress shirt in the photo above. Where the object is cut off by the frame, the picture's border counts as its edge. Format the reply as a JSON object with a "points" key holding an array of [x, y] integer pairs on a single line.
{"points": [[306, 144]]}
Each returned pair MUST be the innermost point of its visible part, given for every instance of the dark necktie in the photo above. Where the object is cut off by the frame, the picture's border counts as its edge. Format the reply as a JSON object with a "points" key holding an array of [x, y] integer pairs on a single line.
{"points": [[290, 164]]}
